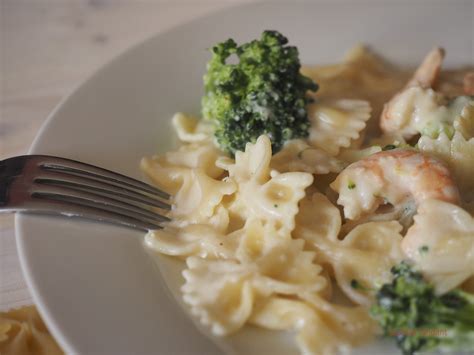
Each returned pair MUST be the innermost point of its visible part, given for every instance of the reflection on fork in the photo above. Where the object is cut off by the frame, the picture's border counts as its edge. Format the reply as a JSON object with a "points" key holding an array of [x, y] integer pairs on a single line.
{"points": [[52, 185]]}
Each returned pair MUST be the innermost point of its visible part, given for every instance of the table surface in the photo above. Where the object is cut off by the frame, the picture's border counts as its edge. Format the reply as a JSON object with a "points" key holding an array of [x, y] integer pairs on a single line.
{"points": [[48, 47]]}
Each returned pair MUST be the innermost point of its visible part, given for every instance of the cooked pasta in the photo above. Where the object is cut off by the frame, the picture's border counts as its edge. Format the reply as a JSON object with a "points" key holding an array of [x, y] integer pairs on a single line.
{"points": [[23, 332], [270, 239]]}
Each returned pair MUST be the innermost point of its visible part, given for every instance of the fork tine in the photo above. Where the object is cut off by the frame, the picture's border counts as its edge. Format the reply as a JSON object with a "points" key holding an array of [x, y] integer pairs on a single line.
{"points": [[74, 167], [93, 200], [57, 207], [102, 188], [51, 185]]}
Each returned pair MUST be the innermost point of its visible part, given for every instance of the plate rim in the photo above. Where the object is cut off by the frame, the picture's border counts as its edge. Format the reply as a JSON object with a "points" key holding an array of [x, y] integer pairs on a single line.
{"points": [[38, 298]]}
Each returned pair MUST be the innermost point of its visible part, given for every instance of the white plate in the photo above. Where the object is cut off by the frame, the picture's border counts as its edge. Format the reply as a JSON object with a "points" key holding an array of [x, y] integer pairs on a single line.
{"points": [[95, 286]]}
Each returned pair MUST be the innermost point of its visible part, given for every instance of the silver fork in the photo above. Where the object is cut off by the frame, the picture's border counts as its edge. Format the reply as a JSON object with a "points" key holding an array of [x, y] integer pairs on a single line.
{"points": [[52, 185]]}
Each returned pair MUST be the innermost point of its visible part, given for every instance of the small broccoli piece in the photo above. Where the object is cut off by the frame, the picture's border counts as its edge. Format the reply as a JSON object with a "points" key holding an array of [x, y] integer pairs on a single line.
{"points": [[409, 310], [264, 93], [389, 147]]}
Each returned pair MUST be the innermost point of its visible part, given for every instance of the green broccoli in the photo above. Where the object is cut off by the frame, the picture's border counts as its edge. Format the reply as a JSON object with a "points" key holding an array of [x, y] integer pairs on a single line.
{"points": [[263, 93], [409, 310]]}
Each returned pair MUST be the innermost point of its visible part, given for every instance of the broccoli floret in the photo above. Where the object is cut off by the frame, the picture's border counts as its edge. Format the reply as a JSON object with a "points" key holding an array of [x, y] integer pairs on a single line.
{"points": [[262, 93], [409, 310]]}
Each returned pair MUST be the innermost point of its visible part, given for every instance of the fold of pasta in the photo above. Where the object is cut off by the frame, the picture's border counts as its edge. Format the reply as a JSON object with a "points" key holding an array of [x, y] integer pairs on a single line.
{"points": [[362, 75], [191, 129], [313, 336], [337, 124], [203, 240], [222, 293], [362, 260], [464, 123], [22, 331], [441, 244], [321, 327], [190, 174], [298, 155], [268, 195]]}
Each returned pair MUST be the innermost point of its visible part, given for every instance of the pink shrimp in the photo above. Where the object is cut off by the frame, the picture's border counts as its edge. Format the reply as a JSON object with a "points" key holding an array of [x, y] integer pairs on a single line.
{"points": [[403, 110], [401, 177]]}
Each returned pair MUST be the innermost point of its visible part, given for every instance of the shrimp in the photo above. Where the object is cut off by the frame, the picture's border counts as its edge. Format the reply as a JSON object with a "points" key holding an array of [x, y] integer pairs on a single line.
{"points": [[402, 178], [409, 110], [468, 83]]}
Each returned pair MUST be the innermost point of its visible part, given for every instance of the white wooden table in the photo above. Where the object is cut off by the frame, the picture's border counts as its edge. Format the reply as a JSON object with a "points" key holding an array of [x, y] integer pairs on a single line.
{"points": [[48, 47]]}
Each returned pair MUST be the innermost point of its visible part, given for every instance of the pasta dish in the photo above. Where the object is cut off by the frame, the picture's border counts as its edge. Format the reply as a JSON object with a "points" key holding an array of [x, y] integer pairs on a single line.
{"points": [[302, 183]]}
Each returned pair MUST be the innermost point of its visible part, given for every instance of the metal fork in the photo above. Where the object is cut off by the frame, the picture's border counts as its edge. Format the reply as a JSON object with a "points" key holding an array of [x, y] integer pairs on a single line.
{"points": [[51, 185]]}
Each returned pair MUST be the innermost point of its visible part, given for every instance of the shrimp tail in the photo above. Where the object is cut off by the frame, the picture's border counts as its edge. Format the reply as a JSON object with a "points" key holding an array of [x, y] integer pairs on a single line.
{"points": [[427, 73]]}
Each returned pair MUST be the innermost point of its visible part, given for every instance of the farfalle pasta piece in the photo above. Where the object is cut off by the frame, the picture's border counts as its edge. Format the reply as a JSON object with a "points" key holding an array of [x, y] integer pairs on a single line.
{"points": [[362, 75], [363, 259], [353, 324], [192, 156], [464, 123], [267, 195], [268, 263], [219, 292], [222, 292], [203, 240], [441, 244], [191, 129], [321, 327], [169, 170], [168, 177], [297, 155], [189, 174], [365, 255], [317, 219], [337, 124], [197, 156], [313, 336], [281, 257], [22, 331], [198, 197]]}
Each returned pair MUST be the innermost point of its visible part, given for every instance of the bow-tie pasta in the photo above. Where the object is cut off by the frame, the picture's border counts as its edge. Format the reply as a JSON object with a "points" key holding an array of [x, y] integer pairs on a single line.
{"points": [[169, 170], [321, 327], [266, 263], [313, 336], [203, 240], [298, 155], [191, 129], [189, 174], [23, 332], [317, 219], [337, 124], [268, 195], [441, 243], [362, 260]]}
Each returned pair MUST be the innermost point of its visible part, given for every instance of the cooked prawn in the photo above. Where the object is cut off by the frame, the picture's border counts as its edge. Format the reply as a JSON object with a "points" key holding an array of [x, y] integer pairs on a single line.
{"points": [[400, 177], [406, 109], [468, 83]]}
